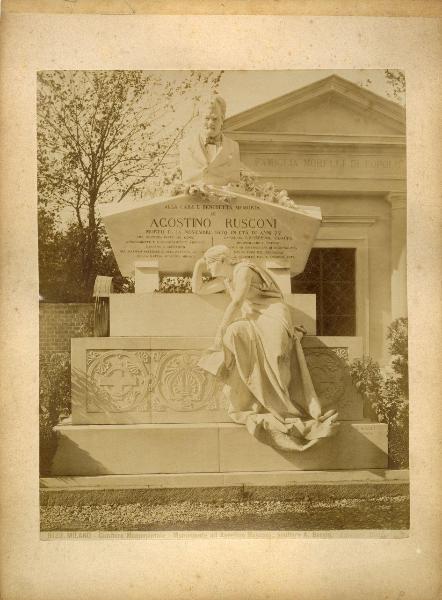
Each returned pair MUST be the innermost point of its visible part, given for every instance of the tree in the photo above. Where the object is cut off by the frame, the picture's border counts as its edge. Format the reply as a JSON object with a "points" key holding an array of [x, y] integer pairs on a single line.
{"points": [[102, 136], [395, 85], [396, 81], [50, 245]]}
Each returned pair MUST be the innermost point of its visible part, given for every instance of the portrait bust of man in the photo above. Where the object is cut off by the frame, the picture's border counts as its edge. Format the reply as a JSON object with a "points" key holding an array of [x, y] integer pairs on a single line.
{"points": [[209, 157]]}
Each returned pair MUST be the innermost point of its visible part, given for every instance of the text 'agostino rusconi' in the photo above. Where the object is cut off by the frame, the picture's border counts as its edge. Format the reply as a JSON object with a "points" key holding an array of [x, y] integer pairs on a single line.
{"points": [[205, 222]]}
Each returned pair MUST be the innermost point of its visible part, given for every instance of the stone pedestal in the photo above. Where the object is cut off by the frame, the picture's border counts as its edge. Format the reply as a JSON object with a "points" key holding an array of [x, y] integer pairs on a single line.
{"points": [[147, 277], [281, 274], [141, 404]]}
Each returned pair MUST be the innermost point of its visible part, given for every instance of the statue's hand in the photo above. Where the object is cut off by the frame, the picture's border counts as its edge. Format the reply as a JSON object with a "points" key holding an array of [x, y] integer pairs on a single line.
{"points": [[300, 331], [199, 267]]}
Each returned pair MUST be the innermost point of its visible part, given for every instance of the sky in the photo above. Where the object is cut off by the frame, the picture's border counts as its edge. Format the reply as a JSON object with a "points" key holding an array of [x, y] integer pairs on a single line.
{"points": [[244, 89]]}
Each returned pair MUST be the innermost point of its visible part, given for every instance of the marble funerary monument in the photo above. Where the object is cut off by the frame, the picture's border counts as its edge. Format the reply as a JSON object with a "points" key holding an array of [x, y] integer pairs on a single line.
{"points": [[140, 402]]}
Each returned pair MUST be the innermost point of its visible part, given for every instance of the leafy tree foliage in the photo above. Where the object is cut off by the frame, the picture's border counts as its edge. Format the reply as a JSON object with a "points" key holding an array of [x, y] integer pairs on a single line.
{"points": [[396, 80], [102, 136], [395, 89], [387, 390]]}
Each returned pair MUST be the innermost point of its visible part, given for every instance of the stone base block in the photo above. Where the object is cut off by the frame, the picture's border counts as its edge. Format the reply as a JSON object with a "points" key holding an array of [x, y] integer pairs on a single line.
{"points": [[86, 450], [356, 446], [132, 449], [152, 314]]}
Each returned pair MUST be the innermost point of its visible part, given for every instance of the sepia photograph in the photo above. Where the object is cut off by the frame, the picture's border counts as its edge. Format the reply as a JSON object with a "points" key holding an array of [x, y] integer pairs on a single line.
{"points": [[223, 301]]}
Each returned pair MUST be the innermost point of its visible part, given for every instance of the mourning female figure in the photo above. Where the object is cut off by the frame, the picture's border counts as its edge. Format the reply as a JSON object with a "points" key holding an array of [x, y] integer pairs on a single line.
{"points": [[257, 353]]}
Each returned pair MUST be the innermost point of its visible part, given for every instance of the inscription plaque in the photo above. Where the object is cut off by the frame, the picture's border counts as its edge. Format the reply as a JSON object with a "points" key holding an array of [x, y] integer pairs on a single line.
{"points": [[176, 231]]}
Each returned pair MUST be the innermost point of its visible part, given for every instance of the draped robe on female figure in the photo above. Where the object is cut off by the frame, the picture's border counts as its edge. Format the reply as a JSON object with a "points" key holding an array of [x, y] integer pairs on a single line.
{"points": [[266, 378]]}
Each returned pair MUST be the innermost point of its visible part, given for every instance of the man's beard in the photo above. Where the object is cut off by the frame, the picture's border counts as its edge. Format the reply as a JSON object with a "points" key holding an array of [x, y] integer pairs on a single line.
{"points": [[210, 138]]}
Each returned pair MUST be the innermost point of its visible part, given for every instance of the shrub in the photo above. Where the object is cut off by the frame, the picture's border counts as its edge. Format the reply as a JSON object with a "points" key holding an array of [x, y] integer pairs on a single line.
{"points": [[55, 402], [175, 285], [398, 346], [386, 390], [55, 392]]}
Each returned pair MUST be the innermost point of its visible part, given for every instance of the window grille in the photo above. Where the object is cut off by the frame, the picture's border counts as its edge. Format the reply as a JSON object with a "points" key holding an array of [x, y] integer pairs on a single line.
{"points": [[330, 274]]}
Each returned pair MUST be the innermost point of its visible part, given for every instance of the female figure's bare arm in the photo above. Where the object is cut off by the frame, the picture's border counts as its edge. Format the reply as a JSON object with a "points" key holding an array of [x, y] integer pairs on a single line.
{"points": [[241, 285], [201, 287]]}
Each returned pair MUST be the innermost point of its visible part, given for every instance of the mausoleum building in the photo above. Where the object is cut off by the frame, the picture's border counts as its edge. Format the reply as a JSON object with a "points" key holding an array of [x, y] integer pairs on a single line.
{"points": [[339, 146]]}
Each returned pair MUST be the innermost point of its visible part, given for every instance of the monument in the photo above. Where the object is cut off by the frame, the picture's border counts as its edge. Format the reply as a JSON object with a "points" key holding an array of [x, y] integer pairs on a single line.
{"points": [[150, 397]]}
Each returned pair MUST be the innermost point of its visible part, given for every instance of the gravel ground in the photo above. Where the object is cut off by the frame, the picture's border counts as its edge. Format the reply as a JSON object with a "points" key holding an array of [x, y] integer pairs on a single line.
{"points": [[382, 512]]}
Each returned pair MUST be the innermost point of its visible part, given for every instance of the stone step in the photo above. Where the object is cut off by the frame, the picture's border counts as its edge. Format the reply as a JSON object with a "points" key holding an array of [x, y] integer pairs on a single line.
{"points": [[285, 486], [87, 450], [375, 477]]}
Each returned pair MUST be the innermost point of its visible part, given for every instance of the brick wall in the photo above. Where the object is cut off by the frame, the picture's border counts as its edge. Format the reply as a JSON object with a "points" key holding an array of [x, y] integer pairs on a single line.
{"points": [[61, 322]]}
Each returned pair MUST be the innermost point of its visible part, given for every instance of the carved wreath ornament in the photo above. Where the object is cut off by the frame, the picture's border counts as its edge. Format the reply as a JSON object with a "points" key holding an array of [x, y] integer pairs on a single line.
{"points": [[181, 384], [119, 381]]}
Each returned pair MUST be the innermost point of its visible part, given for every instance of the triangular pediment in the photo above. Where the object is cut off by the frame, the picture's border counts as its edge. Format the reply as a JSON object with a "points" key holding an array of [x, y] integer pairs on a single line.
{"points": [[330, 106]]}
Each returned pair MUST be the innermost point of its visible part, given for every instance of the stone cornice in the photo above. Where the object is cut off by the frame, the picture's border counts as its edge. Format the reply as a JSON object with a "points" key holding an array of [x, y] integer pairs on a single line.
{"points": [[256, 138], [349, 220], [397, 200]]}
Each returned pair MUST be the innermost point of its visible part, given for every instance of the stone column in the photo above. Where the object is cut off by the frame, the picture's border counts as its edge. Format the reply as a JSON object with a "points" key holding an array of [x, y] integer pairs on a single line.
{"points": [[147, 278], [398, 203], [281, 274]]}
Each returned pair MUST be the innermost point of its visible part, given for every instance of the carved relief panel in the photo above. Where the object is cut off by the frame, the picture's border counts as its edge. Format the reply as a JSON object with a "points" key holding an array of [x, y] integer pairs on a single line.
{"points": [[165, 385], [118, 380], [181, 385], [332, 381]]}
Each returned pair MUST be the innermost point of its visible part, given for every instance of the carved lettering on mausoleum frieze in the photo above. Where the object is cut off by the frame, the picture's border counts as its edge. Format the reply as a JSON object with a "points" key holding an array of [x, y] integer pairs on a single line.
{"points": [[354, 165]]}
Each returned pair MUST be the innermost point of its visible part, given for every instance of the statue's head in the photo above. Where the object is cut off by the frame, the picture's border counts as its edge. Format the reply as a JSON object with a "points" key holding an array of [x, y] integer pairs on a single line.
{"points": [[219, 260], [212, 113]]}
